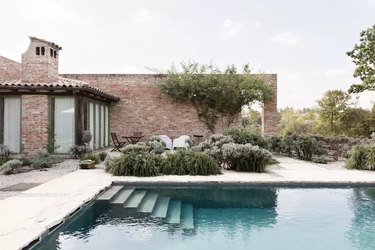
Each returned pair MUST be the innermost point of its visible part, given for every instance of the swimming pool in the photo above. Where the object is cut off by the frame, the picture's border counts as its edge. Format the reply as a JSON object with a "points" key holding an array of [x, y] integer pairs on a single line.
{"points": [[222, 217]]}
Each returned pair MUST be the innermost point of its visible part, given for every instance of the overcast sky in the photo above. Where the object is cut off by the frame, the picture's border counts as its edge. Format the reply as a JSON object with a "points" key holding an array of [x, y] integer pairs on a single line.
{"points": [[304, 42]]}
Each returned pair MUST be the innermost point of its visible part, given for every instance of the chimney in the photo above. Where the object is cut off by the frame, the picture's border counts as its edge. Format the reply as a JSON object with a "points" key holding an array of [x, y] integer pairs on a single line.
{"points": [[40, 62]]}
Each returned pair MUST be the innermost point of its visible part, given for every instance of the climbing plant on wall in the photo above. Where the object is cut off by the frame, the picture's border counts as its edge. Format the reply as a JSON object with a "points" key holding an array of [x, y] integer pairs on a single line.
{"points": [[215, 94]]}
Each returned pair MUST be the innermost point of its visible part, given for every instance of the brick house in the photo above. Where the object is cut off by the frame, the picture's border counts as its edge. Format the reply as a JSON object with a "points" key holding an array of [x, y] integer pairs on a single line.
{"points": [[38, 104]]}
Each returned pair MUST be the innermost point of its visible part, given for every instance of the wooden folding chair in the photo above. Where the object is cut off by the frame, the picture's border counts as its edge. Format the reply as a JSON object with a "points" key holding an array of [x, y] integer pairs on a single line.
{"points": [[118, 144]]}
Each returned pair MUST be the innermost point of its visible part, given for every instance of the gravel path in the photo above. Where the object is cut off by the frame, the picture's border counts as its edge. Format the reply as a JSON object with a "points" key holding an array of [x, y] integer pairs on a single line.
{"points": [[35, 176]]}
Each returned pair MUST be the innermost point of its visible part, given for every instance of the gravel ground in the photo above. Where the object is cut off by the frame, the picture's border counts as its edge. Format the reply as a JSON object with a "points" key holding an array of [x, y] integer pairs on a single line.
{"points": [[35, 176]]}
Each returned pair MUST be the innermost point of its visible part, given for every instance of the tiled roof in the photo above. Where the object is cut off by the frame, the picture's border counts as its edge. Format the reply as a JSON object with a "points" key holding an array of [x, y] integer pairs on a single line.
{"points": [[61, 83], [57, 47]]}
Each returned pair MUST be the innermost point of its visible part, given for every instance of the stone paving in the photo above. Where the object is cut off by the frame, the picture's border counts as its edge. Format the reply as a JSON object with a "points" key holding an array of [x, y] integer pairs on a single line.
{"points": [[28, 216]]}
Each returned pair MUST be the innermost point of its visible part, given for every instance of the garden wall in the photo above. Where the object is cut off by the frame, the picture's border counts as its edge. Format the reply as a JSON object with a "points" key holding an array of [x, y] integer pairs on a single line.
{"points": [[143, 108]]}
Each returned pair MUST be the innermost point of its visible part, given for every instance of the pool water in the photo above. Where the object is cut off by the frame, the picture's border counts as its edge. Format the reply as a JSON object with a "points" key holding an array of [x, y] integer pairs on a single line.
{"points": [[217, 217]]}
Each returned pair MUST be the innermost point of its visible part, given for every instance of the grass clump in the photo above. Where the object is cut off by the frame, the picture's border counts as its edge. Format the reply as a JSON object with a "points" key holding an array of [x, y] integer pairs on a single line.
{"points": [[361, 157], [11, 167], [45, 160], [188, 162], [135, 164]]}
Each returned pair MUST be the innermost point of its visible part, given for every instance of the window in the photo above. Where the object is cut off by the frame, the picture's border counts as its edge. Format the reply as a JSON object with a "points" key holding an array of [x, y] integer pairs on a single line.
{"points": [[54, 53], [51, 52], [63, 123], [95, 119], [10, 123], [37, 51], [42, 51]]}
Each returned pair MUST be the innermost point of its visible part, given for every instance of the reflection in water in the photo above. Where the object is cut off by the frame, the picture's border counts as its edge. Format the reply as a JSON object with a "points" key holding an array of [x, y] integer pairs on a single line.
{"points": [[362, 231]]}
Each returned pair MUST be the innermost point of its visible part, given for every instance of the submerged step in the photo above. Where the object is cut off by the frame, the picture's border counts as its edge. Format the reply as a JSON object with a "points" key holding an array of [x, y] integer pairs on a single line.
{"points": [[122, 196], [110, 193], [161, 207], [148, 203], [135, 199], [174, 212], [187, 216]]}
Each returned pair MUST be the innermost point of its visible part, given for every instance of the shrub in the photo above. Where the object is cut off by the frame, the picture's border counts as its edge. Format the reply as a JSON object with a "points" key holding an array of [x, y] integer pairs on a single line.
{"points": [[306, 147], [275, 144], [135, 164], [136, 148], [25, 161], [188, 162], [79, 151], [320, 160], [102, 155], [358, 157], [4, 152], [45, 160], [246, 157], [156, 145], [244, 136], [371, 158], [94, 157], [11, 167], [86, 137], [212, 146]]}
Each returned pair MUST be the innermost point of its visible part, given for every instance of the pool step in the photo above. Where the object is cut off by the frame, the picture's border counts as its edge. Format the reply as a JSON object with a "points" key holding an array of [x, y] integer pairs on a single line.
{"points": [[122, 196], [148, 203], [187, 216], [161, 207], [110, 193], [135, 199], [174, 212]]}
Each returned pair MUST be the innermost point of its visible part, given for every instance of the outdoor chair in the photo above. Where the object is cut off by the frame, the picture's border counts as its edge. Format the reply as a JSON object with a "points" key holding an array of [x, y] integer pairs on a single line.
{"points": [[116, 143], [181, 142]]}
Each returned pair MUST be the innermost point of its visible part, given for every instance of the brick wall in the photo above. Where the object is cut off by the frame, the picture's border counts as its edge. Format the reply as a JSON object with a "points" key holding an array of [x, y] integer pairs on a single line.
{"points": [[34, 122], [143, 108], [9, 69], [270, 118], [39, 68]]}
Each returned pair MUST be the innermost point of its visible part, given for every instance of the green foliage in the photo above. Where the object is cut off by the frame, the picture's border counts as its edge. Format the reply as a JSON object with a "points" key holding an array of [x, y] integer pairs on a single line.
{"points": [[45, 160], [156, 145], [320, 159], [246, 157], [305, 121], [79, 151], [50, 141], [102, 155], [244, 136], [363, 55], [361, 157], [371, 158], [212, 146], [135, 164], [138, 148], [4, 152], [94, 157], [2, 161], [300, 146], [331, 108], [11, 167], [86, 137], [188, 162], [215, 94]]}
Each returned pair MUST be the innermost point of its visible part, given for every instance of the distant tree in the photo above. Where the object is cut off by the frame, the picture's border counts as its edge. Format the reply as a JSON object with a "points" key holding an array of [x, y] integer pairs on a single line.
{"points": [[297, 121], [356, 122], [331, 108], [363, 55]]}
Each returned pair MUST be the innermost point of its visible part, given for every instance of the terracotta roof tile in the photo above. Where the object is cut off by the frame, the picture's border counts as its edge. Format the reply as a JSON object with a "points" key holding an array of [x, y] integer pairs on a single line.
{"points": [[60, 83]]}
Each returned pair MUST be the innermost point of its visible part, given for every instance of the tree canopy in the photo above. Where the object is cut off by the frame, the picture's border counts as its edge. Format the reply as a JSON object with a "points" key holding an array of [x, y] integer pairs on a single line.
{"points": [[214, 93], [363, 55]]}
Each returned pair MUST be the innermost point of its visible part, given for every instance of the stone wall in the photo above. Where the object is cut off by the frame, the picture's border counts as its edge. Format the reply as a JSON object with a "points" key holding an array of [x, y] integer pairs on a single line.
{"points": [[34, 122], [9, 69], [143, 108]]}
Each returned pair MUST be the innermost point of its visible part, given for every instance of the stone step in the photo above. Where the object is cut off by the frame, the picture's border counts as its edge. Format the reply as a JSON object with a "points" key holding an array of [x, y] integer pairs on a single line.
{"points": [[148, 203], [122, 196], [174, 212], [109, 193], [161, 207], [135, 199], [187, 216]]}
